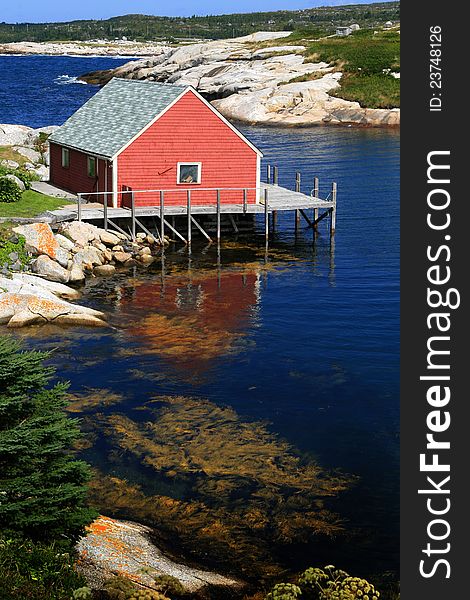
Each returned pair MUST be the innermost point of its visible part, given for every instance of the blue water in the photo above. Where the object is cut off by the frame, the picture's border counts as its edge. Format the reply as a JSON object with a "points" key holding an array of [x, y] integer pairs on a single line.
{"points": [[314, 343], [43, 90]]}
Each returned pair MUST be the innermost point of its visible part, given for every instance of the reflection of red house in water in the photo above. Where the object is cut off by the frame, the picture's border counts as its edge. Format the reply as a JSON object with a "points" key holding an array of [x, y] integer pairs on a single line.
{"points": [[191, 319]]}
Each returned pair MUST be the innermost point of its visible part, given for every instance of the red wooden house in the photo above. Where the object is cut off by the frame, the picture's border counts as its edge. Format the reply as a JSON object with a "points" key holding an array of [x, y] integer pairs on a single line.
{"points": [[139, 135]]}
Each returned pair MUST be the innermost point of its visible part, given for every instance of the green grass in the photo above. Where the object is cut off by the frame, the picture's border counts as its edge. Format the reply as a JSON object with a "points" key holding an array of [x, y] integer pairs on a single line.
{"points": [[31, 204], [363, 57], [361, 52], [371, 91]]}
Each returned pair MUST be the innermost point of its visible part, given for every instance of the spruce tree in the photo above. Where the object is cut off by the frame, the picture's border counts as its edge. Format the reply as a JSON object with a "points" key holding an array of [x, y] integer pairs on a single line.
{"points": [[42, 486]]}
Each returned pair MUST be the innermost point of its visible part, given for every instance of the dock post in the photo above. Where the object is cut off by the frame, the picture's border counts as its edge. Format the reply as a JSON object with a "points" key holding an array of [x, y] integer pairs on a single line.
{"points": [[188, 196], [297, 189], [79, 207], [162, 215], [105, 212], [266, 216], [244, 201], [268, 173], [133, 215], [275, 175], [333, 210], [218, 216], [316, 191]]}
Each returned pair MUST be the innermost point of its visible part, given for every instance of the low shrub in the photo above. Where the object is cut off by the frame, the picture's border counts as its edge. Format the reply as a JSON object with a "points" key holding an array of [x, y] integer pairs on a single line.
{"points": [[27, 177], [121, 588], [328, 583], [37, 570], [9, 190]]}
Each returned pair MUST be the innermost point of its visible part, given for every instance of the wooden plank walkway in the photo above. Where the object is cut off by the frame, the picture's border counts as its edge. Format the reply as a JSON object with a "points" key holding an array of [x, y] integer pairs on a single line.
{"points": [[279, 199], [273, 199]]}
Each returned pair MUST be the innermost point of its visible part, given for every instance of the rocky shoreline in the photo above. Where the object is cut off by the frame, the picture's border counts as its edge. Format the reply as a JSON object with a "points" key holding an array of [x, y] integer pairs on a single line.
{"points": [[38, 293], [268, 85], [91, 48]]}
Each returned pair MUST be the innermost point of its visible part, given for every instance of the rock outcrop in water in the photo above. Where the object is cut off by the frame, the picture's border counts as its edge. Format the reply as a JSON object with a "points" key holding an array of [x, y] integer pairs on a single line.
{"points": [[255, 85], [27, 301], [121, 547], [78, 251]]}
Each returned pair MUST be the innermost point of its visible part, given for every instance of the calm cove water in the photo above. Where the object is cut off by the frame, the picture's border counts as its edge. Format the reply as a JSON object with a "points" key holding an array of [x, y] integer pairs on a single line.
{"points": [[248, 410]]}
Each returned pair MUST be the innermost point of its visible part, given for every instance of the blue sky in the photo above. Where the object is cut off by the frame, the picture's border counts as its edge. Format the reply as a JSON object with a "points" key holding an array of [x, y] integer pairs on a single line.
{"points": [[60, 10]]}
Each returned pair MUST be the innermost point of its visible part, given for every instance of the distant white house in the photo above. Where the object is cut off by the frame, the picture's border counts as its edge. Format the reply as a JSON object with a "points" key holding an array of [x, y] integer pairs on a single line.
{"points": [[388, 25], [343, 31]]}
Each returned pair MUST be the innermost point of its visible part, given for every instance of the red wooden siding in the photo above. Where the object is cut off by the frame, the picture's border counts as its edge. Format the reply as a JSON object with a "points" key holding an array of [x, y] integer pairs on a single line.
{"points": [[188, 132], [75, 177]]}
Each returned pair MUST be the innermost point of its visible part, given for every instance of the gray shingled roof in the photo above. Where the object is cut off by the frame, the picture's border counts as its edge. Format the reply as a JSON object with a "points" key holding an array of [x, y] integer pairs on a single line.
{"points": [[114, 115]]}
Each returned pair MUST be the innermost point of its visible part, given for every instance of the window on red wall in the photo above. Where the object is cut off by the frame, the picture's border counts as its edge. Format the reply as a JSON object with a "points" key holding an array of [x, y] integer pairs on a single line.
{"points": [[189, 172], [91, 166], [65, 158]]}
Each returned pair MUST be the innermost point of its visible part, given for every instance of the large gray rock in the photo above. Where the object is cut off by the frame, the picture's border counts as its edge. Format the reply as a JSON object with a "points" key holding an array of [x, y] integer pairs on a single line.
{"points": [[138, 558], [303, 104], [48, 268], [41, 240], [58, 289], [14, 135], [64, 242], [258, 85], [9, 164], [89, 257], [14, 309], [32, 155], [16, 180], [42, 172], [76, 273], [104, 270], [108, 238], [79, 232]]}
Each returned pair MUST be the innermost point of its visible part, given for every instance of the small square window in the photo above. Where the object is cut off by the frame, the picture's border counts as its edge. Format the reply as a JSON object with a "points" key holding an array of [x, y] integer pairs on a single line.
{"points": [[65, 158], [91, 166], [189, 173]]}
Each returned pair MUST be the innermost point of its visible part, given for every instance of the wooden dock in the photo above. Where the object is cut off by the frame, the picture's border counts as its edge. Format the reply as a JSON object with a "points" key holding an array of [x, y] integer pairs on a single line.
{"points": [[272, 199]]}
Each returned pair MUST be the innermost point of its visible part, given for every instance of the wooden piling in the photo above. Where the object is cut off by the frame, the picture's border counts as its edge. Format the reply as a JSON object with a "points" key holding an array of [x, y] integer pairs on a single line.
{"points": [[268, 173], [275, 175], [188, 202], [316, 191], [266, 216], [297, 189], [218, 216], [333, 210], [133, 216], [105, 212], [162, 215]]}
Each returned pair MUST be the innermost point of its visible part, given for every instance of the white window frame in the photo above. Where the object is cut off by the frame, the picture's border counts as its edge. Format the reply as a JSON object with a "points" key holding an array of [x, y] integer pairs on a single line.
{"points": [[65, 153], [88, 159], [187, 164]]}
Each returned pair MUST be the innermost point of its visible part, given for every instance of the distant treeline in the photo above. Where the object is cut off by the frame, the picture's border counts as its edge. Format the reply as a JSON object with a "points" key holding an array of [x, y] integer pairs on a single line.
{"points": [[321, 20]]}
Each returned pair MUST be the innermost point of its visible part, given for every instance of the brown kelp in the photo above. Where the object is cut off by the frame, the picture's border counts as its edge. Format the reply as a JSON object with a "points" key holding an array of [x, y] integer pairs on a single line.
{"points": [[212, 484]]}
